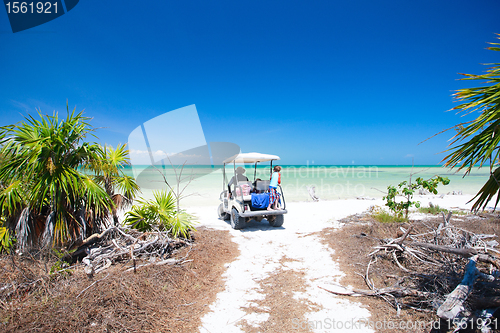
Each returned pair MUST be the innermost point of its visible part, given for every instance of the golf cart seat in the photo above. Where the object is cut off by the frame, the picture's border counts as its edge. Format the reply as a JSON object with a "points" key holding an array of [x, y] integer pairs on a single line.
{"points": [[243, 187], [262, 185]]}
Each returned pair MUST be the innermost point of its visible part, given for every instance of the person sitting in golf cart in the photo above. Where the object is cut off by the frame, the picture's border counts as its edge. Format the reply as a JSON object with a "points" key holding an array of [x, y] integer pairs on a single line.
{"points": [[273, 185], [240, 177]]}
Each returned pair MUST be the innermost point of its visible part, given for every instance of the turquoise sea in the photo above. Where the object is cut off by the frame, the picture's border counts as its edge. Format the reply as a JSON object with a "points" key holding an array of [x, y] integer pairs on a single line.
{"points": [[202, 184]]}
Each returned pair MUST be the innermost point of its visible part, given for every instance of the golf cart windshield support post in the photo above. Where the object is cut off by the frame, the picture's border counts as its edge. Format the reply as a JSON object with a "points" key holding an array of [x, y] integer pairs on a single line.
{"points": [[271, 171], [255, 172], [223, 176], [235, 178]]}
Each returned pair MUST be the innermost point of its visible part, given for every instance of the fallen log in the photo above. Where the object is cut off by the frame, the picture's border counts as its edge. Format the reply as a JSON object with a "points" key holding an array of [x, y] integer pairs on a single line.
{"points": [[454, 302], [81, 250], [395, 291], [461, 252]]}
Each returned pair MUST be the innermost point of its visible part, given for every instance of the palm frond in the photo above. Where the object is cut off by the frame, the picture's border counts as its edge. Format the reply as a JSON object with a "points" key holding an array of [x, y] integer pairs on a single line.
{"points": [[47, 238], [182, 224], [127, 186], [6, 239], [161, 213], [488, 191], [96, 198], [12, 199], [141, 218], [478, 143]]}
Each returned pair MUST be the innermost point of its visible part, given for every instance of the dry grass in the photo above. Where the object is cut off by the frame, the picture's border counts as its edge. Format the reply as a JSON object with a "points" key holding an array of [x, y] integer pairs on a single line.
{"points": [[361, 233], [155, 299]]}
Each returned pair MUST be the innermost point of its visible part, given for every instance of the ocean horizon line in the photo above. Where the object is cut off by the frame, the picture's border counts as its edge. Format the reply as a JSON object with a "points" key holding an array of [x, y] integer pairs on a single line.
{"points": [[310, 165]]}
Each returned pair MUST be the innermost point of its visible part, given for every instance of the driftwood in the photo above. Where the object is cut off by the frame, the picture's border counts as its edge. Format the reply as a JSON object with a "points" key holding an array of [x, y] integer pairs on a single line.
{"points": [[405, 235], [312, 192], [441, 249], [86, 243], [394, 291], [127, 245], [454, 302], [461, 252]]}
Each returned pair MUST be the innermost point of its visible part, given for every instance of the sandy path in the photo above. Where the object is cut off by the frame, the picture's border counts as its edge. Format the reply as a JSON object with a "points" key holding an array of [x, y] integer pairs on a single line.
{"points": [[262, 247], [263, 250]]}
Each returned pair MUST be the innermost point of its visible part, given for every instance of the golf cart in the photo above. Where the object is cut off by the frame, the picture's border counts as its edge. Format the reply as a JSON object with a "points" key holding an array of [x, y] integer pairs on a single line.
{"points": [[242, 200]]}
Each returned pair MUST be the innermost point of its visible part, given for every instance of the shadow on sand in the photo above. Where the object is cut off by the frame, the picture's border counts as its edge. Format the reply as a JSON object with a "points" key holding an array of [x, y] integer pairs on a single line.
{"points": [[254, 225]]}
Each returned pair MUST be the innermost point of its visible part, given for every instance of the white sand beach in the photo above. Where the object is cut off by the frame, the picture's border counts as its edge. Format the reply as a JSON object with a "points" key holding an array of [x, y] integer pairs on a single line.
{"points": [[262, 249]]}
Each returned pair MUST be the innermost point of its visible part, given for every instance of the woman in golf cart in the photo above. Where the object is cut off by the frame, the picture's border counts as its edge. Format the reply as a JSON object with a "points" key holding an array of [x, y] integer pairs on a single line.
{"points": [[239, 175], [241, 178]]}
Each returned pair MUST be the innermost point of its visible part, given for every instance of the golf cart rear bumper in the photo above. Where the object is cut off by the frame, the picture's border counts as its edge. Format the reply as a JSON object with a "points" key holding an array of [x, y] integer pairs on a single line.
{"points": [[263, 213]]}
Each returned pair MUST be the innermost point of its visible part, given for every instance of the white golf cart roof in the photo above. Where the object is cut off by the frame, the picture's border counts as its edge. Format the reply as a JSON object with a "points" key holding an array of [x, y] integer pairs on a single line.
{"points": [[251, 158]]}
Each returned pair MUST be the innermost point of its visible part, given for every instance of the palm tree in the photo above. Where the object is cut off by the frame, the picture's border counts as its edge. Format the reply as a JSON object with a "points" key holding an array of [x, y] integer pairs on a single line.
{"points": [[44, 195], [109, 173], [482, 135]]}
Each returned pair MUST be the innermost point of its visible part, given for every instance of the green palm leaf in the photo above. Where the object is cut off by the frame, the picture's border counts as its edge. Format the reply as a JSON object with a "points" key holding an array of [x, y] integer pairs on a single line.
{"points": [[181, 224], [488, 191], [126, 185], [160, 213], [12, 199], [478, 143]]}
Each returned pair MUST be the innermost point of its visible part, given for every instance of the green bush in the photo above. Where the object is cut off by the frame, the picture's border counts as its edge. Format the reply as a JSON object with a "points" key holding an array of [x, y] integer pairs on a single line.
{"points": [[406, 190], [160, 213]]}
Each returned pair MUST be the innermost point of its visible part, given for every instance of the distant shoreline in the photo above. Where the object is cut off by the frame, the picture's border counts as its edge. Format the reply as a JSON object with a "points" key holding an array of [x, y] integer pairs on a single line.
{"points": [[318, 165]]}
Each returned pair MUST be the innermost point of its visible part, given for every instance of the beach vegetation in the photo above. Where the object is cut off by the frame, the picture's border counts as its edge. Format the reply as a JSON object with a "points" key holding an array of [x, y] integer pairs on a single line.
{"points": [[53, 182], [108, 172], [477, 142], [383, 216], [6, 241], [60, 266], [432, 209], [406, 190], [160, 213]]}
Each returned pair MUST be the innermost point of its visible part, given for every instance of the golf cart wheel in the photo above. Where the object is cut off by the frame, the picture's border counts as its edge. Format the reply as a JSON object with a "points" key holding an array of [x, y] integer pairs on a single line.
{"points": [[222, 214], [277, 221], [237, 222]]}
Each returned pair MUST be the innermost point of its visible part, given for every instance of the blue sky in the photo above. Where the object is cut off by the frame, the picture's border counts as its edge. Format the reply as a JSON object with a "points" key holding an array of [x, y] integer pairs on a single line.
{"points": [[326, 81]]}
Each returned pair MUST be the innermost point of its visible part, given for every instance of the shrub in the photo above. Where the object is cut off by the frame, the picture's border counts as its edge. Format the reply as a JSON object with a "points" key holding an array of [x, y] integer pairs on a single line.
{"points": [[160, 213], [407, 189]]}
